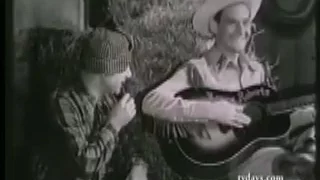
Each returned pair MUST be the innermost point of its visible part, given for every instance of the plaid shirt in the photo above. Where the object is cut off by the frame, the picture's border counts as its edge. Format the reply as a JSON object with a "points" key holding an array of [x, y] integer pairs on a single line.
{"points": [[86, 138]]}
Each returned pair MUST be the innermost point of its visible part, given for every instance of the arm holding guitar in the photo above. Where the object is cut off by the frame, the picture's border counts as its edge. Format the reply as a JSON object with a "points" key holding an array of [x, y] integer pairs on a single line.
{"points": [[175, 115], [170, 115], [178, 110], [162, 103]]}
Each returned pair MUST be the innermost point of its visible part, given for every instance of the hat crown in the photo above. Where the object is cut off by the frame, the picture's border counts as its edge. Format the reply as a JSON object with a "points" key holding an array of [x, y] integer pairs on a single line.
{"points": [[107, 44], [106, 51], [203, 22]]}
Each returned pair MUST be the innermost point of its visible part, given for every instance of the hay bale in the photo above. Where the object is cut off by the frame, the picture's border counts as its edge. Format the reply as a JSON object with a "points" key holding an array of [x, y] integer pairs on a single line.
{"points": [[162, 33], [163, 38]]}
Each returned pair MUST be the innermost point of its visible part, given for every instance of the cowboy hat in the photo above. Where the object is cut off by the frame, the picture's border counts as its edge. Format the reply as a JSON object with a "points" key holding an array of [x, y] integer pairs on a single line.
{"points": [[202, 22]]}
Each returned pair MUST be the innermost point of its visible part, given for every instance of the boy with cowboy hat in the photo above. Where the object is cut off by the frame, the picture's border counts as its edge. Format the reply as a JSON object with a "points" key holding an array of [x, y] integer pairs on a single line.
{"points": [[227, 65], [87, 116]]}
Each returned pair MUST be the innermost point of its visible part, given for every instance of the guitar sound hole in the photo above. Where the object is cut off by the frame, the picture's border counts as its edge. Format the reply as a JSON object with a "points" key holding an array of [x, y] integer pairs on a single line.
{"points": [[277, 126]]}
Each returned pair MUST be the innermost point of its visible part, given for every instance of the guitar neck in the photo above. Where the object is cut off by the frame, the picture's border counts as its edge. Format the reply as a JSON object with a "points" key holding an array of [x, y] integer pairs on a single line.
{"points": [[288, 105]]}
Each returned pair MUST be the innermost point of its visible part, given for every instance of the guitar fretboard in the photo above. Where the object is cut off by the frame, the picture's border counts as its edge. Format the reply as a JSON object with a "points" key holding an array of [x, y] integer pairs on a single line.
{"points": [[285, 106]]}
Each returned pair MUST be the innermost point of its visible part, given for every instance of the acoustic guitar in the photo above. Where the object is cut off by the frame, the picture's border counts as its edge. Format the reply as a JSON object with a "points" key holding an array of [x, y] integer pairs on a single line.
{"points": [[211, 150]]}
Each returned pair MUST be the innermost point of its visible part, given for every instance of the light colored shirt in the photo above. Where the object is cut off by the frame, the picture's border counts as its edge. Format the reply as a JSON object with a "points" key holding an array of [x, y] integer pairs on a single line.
{"points": [[210, 71]]}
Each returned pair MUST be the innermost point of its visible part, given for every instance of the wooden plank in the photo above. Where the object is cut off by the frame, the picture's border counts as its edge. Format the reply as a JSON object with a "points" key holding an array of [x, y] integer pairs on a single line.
{"points": [[60, 14]]}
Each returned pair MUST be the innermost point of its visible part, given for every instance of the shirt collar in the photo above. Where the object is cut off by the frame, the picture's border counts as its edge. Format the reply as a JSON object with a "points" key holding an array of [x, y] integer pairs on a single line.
{"points": [[217, 60]]}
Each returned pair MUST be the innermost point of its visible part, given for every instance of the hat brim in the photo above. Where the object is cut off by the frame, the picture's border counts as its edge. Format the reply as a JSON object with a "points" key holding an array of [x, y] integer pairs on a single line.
{"points": [[201, 19]]}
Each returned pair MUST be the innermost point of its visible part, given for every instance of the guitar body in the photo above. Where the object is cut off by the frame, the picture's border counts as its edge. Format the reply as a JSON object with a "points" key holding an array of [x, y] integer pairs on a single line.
{"points": [[192, 157], [224, 149], [218, 141]]}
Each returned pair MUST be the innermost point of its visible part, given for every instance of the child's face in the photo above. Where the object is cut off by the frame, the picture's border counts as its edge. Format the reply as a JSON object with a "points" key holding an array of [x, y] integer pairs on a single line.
{"points": [[113, 83]]}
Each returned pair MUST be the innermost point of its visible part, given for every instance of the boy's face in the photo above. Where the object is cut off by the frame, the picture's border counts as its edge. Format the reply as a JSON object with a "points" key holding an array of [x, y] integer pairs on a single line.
{"points": [[113, 83], [234, 29]]}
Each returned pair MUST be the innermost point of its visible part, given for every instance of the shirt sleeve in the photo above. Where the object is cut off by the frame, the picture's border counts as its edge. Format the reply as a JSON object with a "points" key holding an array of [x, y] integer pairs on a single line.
{"points": [[162, 103], [89, 155]]}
